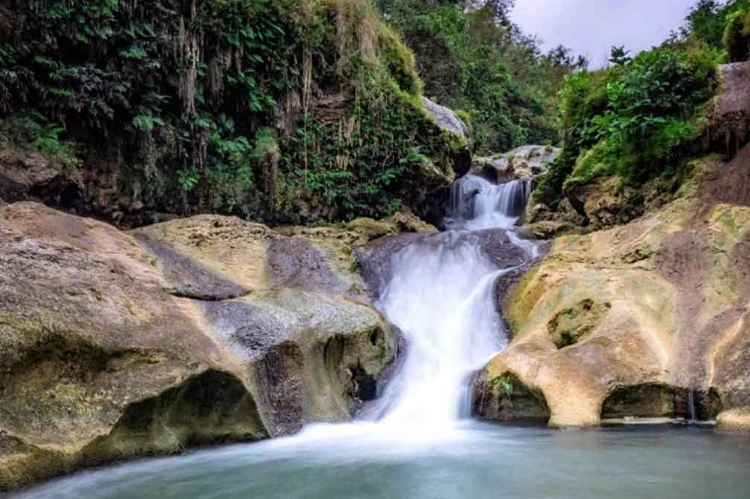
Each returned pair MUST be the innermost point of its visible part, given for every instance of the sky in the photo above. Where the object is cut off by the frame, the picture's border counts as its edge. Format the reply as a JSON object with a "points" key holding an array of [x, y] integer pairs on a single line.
{"points": [[591, 27]]}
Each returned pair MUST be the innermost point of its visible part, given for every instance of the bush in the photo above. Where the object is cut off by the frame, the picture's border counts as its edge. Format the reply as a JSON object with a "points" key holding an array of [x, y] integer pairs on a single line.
{"points": [[636, 120], [737, 36]]}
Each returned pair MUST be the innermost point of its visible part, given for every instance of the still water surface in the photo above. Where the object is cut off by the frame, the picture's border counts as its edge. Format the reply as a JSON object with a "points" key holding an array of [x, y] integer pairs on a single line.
{"points": [[469, 460]]}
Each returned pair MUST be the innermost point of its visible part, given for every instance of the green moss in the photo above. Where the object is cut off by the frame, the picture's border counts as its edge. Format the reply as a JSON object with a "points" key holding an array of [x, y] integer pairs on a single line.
{"points": [[572, 324], [596, 162], [522, 299], [399, 61]]}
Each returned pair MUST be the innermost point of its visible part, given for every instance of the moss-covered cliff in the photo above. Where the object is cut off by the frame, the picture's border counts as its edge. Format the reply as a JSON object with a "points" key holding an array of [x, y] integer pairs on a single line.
{"points": [[288, 111]]}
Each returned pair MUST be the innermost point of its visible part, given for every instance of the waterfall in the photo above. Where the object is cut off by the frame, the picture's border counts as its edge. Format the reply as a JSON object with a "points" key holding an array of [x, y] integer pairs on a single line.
{"points": [[479, 204], [442, 297]]}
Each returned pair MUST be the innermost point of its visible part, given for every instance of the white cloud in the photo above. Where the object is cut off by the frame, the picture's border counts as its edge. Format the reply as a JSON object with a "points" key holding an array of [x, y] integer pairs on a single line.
{"points": [[591, 27]]}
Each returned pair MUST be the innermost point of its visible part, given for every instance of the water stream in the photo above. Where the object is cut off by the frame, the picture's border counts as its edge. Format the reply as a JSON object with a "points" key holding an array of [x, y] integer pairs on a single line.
{"points": [[417, 440], [441, 296]]}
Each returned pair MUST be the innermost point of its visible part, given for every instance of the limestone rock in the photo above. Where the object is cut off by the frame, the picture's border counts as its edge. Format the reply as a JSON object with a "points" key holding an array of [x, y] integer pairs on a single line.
{"points": [[735, 419], [645, 320], [92, 348], [398, 223], [524, 161], [550, 229], [603, 202], [303, 302], [195, 331], [446, 118]]}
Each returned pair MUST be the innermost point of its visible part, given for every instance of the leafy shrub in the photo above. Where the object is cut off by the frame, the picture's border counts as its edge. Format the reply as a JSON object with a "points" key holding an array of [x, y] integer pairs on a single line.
{"points": [[32, 131], [636, 120], [737, 35]]}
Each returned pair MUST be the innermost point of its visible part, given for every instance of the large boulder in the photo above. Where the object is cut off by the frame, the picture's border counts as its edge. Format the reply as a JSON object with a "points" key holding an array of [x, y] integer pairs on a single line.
{"points": [[646, 320], [446, 119], [458, 135], [190, 332], [292, 309]]}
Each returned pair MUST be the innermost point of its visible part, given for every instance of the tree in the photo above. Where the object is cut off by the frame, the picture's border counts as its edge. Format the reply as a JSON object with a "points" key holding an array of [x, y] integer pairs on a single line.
{"points": [[619, 56]]}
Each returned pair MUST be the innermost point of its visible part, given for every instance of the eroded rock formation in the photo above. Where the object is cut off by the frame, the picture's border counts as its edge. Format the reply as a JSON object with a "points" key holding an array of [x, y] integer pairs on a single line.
{"points": [[646, 320], [194, 331]]}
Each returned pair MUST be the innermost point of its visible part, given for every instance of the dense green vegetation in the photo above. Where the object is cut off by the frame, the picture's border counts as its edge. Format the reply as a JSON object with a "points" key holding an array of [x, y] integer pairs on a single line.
{"points": [[301, 110], [642, 117], [474, 59], [280, 110]]}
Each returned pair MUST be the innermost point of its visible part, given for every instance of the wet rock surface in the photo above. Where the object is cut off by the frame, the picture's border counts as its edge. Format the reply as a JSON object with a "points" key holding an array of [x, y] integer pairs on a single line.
{"points": [[639, 320], [190, 332]]}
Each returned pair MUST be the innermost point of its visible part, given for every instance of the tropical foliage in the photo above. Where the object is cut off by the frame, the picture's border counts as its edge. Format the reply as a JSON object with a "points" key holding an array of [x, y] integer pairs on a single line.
{"points": [[473, 58], [281, 110], [642, 117]]}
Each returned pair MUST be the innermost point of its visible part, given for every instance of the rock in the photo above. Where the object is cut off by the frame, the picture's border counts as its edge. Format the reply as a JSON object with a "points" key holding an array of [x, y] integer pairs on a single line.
{"points": [[506, 398], [91, 346], [525, 161], [640, 320], [304, 298], [309, 353], [537, 213], [370, 229], [550, 229], [398, 223], [446, 119], [28, 175], [729, 116], [604, 203], [187, 278], [407, 222], [571, 325], [190, 332], [657, 400], [735, 419]]}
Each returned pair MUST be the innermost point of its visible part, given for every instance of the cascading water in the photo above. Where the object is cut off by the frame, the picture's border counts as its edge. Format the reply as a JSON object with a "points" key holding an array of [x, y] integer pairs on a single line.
{"points": [[441, 296], [440, 292], [478, 204]]}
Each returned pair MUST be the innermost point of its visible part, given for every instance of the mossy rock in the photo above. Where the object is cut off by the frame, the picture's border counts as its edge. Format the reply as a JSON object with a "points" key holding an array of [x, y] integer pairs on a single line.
{"points": [[212, 330], [572, 324], [506, 398]]}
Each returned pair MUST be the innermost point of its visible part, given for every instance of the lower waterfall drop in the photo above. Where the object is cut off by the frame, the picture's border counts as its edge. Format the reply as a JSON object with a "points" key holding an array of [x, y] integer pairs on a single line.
{"points": [[442, 297]]}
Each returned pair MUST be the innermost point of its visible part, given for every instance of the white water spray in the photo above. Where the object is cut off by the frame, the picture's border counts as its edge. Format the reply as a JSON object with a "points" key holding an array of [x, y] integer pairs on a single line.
{"points": [[441, 296]]}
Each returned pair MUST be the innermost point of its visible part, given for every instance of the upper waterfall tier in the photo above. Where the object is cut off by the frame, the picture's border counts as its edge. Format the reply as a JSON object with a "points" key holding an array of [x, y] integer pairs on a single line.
{"points": [[479, 204]]}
